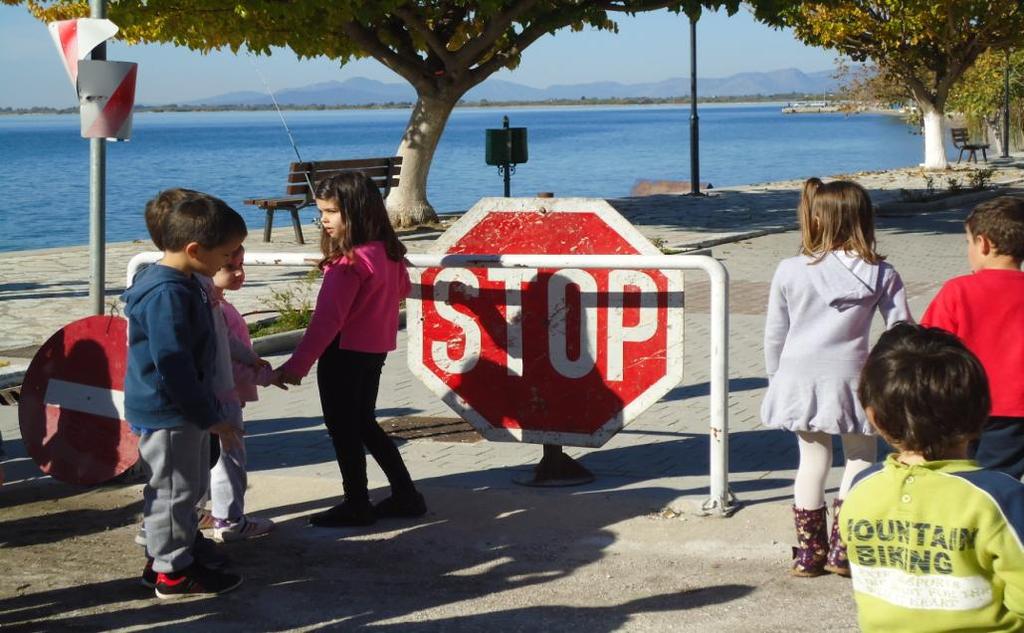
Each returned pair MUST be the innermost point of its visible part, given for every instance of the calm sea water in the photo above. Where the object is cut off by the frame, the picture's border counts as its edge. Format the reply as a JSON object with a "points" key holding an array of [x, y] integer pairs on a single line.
{"points": [[585, 151]]}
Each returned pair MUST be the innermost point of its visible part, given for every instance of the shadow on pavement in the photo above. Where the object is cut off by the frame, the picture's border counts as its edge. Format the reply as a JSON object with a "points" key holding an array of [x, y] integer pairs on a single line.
{"points": [[483, 546]]}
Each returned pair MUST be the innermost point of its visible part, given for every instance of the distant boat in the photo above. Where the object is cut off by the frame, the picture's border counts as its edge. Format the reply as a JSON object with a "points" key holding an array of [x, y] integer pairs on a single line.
{"points": [[803, 107]]}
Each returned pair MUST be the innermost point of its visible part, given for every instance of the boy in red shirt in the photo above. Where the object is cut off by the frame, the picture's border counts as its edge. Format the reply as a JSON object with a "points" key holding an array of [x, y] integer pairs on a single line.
{"points": [[986, 311]]}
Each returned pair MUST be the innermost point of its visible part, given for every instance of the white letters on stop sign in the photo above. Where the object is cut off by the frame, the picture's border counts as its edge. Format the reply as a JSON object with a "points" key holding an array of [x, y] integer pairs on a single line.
{"points": [[558, 311], [440, 350], [513, 279], [647, 324]]}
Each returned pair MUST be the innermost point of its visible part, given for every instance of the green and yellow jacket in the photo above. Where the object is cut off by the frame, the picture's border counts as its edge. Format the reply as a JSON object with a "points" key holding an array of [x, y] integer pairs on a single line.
{"points": [[936, 547]]}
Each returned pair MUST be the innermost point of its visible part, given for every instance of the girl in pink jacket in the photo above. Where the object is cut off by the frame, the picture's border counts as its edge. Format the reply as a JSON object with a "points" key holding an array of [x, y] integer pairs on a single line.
{"points": [[353, 327], [228, 477]]}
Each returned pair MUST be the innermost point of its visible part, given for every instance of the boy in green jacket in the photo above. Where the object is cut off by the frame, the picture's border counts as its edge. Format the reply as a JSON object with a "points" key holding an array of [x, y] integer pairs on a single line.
{"points": [[934, 540]]}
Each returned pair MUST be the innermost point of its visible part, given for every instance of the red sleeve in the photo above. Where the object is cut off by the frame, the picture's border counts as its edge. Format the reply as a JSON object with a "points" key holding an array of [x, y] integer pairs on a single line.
{"points": [[338, 291], [941, 312]]}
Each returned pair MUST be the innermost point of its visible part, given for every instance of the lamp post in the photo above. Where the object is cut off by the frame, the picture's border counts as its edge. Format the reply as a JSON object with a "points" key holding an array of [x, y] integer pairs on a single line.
{"points": [[97, 191], [1006, 107], [694, 131]]}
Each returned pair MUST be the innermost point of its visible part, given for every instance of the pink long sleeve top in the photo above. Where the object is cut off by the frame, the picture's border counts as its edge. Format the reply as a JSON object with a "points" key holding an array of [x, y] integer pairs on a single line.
{"points": [[359, 301], [247, 375]]}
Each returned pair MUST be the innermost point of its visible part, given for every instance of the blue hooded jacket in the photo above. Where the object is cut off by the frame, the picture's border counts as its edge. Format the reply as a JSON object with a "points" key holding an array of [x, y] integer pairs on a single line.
{"points": [[171, 349]]}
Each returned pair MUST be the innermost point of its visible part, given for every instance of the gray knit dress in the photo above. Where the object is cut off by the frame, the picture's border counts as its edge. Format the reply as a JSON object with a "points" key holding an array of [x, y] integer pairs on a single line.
{"points": [[816, 339]]}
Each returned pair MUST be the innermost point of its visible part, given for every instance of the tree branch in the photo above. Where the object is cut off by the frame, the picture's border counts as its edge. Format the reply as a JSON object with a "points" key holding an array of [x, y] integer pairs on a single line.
{"points": [[436, 45], [624, 8], [472, 50], [409, 69], [540, 27]]}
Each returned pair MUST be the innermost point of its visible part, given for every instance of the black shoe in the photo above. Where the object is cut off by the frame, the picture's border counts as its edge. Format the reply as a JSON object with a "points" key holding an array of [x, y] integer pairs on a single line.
{"points": [[148, 579], [345, 515], [195, 580], [206, 553], [408, 505]]}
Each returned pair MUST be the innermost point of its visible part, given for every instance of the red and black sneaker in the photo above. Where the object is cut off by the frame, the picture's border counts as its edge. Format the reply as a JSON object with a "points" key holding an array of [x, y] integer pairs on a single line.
{"points": [[195, 580]]}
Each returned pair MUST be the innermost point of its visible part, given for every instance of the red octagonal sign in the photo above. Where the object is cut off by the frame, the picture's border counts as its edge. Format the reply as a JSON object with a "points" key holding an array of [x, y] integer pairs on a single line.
{"points": [[564, 356]]}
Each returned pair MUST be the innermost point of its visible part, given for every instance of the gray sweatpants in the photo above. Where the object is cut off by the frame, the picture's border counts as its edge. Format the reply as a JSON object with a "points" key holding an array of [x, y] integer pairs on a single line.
{"points": [[177, 461], [228, 481]]}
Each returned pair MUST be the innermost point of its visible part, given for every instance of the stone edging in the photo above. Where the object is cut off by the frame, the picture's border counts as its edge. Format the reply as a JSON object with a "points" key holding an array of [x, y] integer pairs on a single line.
{"points": [[897, 209]]}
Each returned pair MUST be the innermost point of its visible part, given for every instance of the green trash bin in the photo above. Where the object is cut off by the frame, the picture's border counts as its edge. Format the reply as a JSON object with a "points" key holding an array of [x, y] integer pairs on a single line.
{"points": [[506, 146]]}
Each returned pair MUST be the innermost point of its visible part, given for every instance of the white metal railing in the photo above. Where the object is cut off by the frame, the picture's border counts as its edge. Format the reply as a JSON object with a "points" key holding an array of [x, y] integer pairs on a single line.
{"points": [[721, 499]]}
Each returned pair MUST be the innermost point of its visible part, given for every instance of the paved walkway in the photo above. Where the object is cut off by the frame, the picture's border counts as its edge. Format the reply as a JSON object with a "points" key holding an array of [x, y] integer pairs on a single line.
{"points": [[656, 467]]}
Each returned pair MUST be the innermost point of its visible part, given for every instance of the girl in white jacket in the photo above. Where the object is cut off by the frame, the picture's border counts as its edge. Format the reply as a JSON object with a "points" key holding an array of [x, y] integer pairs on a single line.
{"points": [[815, 342]]}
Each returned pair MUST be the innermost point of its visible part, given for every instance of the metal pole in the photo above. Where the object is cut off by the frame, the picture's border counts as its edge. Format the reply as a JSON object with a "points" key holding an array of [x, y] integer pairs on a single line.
{"points": [[506, 168], [694, 134], [1006, 107], [97, 192]]}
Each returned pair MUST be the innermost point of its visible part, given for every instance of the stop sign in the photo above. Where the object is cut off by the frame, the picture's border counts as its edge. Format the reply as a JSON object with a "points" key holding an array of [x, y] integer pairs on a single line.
{"points": [[71, 410], [554, 356]]}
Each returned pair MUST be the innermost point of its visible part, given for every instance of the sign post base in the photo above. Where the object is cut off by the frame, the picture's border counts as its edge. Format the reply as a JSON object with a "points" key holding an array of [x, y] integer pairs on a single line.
{"points": [[556, 469]]}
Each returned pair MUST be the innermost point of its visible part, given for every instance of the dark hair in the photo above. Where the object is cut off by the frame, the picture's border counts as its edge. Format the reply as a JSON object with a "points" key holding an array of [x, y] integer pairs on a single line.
{"points": [[162, 204], [841, 218], [364, 218], [201, 218], [1001, 220], [927, 390]]}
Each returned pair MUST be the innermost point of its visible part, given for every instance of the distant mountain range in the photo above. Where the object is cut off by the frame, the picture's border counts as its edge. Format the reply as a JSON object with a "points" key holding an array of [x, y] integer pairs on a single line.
{"points": [[362, 91]]}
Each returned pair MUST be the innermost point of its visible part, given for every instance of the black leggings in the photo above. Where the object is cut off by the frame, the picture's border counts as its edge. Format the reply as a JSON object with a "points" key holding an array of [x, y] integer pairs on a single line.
{"points": [[348, 383]]}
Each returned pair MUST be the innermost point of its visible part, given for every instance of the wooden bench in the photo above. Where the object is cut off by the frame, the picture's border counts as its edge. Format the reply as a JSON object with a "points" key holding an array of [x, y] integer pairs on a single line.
{"points": [[961, 141], [302, 177]]}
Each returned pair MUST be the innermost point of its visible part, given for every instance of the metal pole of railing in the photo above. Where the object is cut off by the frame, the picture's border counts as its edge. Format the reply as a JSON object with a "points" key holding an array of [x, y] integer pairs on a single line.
{"points": [[721, 499]]}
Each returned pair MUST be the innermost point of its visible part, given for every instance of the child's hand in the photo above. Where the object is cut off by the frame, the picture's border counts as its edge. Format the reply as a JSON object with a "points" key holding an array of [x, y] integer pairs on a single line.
{"points": [[260, 363], [289, 378], [278, 379], [230, 436]]}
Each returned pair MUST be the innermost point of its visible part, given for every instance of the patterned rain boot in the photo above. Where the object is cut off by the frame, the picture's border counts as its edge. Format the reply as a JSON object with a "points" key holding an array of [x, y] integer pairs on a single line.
{"points": [[812, 542], [837, 562]]}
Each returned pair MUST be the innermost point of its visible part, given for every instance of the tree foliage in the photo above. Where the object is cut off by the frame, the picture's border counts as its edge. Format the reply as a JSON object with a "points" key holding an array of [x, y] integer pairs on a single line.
{"points": [[925, 45], [979, 95]]}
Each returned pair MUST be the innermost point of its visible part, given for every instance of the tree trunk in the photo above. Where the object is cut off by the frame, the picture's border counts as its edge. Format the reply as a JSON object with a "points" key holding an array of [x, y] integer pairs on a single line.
{"points": [[934, 137], [994, 133], [407, 203]]}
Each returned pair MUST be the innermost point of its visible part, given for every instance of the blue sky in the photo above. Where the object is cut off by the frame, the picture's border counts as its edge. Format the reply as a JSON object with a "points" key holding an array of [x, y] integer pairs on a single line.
{"points": [[649, 47]]}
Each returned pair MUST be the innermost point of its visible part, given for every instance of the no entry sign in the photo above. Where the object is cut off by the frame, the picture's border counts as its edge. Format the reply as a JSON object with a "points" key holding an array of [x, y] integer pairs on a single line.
{"points": [[564, 356], [71, 410]]}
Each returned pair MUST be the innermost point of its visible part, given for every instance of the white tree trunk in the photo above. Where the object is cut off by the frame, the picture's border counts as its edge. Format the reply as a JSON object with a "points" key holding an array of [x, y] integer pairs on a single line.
{"points": [[407, 203], [994, 131], [934, 138]]}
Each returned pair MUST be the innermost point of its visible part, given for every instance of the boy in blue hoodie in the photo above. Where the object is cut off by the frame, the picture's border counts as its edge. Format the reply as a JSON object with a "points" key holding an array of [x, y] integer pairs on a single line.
{"points": [[169, 398]]}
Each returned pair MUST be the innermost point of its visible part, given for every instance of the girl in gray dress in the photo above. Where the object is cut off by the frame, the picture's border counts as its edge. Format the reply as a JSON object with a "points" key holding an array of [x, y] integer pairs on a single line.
{"points": [[820, 309]]}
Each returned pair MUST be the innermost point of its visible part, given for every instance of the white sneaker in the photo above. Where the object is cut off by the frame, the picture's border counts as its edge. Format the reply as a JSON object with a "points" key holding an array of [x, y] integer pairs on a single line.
{"points": [[246, 527]]}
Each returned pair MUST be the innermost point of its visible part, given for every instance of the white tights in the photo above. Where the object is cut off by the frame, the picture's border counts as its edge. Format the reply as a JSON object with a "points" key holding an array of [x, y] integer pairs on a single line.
{"points": [[816, 460]]}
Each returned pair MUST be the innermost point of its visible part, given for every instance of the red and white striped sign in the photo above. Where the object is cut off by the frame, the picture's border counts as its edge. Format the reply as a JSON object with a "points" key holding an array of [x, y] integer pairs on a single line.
{"points": [[106, 89], [71, 410], [75, 40]]}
